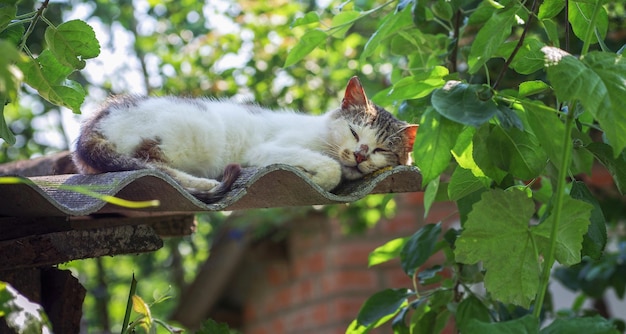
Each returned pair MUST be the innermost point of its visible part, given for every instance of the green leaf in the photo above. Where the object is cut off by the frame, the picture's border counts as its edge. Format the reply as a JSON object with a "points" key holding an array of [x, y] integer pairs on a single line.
{"points": [[482, 153], [598, 83], [524, 325], [463, 151], [430, 195], [46, 75], [8, 10], [491, 36], [595, 238], [342, 22], [615, 165], [418, 86], [386, 252], [529, 58], [390, 25], [550, 8], [13, 34], [464, 103], [587, 325], [508, 118], [466, 204], [573, 225], [517, 152], [548, 128], [463, 182], [310, 17], [579, 15], [419, 247], [307, 43], [72, 42], [141, 307], [434, 140], [497, 233], [471, 308], [381, 305], [533, 87]]}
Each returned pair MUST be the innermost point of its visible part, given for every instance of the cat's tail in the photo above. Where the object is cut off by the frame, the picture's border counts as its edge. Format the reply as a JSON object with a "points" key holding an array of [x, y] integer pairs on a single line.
{"points": [[231, 173]]}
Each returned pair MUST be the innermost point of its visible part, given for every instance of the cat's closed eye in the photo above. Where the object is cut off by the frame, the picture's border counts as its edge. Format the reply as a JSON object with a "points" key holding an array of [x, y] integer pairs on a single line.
{"points": [[380, 150], [356, 136]]}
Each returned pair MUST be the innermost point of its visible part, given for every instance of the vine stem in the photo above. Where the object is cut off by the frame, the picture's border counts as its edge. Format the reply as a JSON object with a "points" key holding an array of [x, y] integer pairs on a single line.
{"points": [[31, 27], [591, 28], [520, 42], [557, 213]]}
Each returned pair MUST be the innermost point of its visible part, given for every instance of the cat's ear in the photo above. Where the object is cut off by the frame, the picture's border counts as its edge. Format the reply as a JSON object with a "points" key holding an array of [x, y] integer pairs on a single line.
{"points": [[355, 95], [410, 131]]}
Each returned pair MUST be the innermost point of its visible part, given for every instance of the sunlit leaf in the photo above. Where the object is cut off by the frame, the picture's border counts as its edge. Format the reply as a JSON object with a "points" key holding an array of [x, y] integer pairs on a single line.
{"points": [[592, 325], [533, 87], [141, 307], [342, 22], [72, 43], [550, 8], [391, 24], [525, 324], [598, 83], [517, 152], [462, 183], [386, 252], [307, 43], [491, 36], [310, 17], [382, 304], [434, 140], [579, 15]]}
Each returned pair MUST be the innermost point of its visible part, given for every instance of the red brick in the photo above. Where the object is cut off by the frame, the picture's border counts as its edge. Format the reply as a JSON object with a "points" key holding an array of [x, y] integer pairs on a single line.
{"points": [[397, 278], [309, 264], [442, 211], [404, 223], [347, 308], [303, 291], [277, 273], [349, 280], [353, 254]]}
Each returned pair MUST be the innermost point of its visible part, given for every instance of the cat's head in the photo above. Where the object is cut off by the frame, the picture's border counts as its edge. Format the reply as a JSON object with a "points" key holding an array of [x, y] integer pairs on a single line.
{"points": [[364, 137]]}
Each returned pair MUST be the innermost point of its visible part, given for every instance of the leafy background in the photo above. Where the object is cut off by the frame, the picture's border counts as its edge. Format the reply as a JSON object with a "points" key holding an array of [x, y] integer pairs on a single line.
{"points": [[517, 101]]}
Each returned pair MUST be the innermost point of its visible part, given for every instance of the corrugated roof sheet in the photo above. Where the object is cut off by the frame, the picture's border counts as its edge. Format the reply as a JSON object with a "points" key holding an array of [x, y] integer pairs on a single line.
{"points": [[272, 186]]}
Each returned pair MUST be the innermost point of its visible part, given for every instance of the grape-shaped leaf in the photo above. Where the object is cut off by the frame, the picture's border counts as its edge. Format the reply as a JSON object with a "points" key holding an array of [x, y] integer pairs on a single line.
{"points": [[497, 233], [72, 42]]}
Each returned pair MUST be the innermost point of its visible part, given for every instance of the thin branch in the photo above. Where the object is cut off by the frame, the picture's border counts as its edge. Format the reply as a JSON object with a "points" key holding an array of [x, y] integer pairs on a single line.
{"points": [[518, 46], [456, 36], [31, 27]]}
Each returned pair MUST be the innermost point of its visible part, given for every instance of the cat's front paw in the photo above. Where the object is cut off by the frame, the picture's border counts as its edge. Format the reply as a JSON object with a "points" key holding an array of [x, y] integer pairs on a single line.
{"points": [[326, 174]]}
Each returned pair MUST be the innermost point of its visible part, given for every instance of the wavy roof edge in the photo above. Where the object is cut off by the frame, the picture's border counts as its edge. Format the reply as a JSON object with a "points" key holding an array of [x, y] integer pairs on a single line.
{"points": [[271, 186]]}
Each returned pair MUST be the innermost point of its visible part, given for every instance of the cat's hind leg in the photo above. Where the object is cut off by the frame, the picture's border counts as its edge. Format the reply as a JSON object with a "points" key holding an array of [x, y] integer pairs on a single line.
{"points": [[206, 190]]}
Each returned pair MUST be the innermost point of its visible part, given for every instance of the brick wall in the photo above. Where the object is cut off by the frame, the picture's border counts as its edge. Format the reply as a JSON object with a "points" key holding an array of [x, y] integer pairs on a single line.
{"points": [[323, 279]]}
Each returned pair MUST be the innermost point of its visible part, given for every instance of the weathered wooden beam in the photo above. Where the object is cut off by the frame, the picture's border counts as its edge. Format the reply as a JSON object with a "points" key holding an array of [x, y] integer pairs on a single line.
{"points": [[59, 247]]}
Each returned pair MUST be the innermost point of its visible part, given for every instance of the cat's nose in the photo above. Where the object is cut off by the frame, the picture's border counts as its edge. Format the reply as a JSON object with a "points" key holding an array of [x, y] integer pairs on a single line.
{"points": [[361, 154]]}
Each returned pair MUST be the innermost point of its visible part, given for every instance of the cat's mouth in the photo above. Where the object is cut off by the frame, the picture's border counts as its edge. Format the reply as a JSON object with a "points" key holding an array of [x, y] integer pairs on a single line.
{"points": [[352, 172]]}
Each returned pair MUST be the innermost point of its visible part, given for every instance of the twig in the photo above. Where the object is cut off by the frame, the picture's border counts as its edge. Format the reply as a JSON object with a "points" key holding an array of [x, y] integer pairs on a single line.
{"points": [[517, 47], [31, 27], [455, 49]]}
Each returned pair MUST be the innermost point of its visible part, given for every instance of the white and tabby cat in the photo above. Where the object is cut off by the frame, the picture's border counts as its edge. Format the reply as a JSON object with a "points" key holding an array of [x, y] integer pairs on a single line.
{"points": [[201, 141]]}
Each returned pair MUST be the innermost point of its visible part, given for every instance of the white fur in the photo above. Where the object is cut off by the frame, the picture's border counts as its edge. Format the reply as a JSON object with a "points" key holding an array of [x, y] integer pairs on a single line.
{"points": [[200, 137]]}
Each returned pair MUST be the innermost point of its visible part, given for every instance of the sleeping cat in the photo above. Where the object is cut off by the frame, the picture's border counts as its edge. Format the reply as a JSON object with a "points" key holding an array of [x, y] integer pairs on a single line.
{"points": [[200, 141]]}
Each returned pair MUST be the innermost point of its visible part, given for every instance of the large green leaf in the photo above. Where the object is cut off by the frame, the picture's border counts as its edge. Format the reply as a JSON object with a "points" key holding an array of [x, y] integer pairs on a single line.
{"points": [[8, 10], [482, 153], [579, 14], [463, 151], [572, 227], [587, 325], [517, 152], [497, 232], [471, 308], [524, 325], [307, 43], [342, 22], [464, 103], [529, 57], [72, 42], [491, 36], [548, 128], [598, 83], [434, 140], [595, 238], [419, 247], [418, 86], [47, 76], [463, 182], [382, 304], [550, 8]]}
